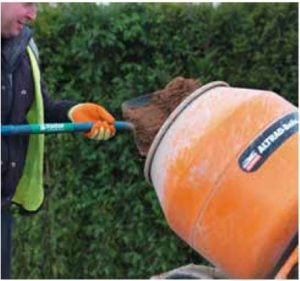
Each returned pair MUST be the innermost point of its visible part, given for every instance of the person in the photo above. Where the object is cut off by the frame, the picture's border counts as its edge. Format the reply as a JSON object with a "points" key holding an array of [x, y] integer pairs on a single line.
{"points": [[24, 99]]}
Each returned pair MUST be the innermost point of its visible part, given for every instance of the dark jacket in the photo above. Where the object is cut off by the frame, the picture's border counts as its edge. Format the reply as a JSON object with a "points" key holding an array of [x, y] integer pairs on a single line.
{"points": [[17, 94]]}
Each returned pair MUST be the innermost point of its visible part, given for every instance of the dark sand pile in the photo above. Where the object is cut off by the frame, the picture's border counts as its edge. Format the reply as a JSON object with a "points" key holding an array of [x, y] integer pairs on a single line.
{"points": [[148, 118]]}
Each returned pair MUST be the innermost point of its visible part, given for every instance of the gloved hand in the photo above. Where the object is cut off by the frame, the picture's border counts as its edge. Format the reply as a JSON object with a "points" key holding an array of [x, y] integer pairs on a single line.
{"points": [[103, 128]]}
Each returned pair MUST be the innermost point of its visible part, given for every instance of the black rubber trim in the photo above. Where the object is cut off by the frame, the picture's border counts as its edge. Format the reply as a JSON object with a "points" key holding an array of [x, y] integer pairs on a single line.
{"points": [[290, 248]]}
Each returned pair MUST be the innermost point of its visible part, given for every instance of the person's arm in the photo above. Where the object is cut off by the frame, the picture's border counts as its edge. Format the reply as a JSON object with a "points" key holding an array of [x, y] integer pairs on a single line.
{"points": [[56, 111], [67, 110]]}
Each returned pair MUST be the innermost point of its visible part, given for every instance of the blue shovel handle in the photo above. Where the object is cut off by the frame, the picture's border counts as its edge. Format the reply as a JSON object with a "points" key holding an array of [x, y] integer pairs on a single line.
{"points": [[51, 128]]}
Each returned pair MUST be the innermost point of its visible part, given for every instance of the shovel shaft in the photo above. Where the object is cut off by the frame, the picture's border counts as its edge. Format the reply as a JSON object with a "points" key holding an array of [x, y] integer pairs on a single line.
{"points": [[51, 128]]}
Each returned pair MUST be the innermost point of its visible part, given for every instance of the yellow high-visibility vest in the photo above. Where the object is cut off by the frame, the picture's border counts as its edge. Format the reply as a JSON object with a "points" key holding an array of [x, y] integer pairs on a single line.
{"points": [[29, 192]]}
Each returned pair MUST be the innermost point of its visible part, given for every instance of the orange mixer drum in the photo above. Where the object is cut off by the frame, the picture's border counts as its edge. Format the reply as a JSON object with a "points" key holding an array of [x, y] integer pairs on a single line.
{"points": [[224, 167]]}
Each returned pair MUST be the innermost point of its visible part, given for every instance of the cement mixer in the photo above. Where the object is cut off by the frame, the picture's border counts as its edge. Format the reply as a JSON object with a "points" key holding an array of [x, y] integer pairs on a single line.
{"points": [[224, 166]]}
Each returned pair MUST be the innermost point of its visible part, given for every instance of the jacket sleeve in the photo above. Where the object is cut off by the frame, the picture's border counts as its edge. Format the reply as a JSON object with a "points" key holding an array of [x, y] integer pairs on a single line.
{"points": [[55, 111]]}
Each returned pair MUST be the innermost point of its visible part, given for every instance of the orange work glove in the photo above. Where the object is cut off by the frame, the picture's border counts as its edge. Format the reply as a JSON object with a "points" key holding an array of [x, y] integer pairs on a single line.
{"points": [[103, 128]]}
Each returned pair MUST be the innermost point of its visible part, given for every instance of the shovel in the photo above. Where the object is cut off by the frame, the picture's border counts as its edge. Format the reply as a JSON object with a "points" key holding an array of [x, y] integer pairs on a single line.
{"points": [[52, 128]]}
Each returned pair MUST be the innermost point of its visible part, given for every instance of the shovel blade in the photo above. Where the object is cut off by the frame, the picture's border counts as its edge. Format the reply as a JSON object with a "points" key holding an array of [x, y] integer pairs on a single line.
{"points": [[141, 111], [136, 102]]}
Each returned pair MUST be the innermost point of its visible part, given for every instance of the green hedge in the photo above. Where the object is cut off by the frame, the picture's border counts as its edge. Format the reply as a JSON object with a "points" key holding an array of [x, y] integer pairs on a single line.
{"points": [[101, 219]]}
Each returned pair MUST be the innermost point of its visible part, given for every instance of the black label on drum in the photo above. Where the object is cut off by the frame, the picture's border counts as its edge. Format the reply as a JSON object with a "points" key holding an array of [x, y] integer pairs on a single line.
{"points": [[268, 141]]}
